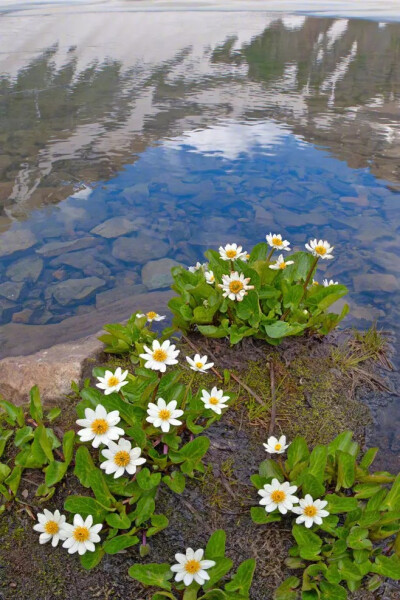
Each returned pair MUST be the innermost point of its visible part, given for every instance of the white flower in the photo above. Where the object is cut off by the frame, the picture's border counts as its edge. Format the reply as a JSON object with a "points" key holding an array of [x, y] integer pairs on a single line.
{"points": [[191, 567], [279, 496], [112, 382], [231, 252], [160, 356], [163, 415], [327, 283], [235, 286], [197, 267], [210, 277], [275, 241], [275, 446], [199, 363], [99, 426], [280, 263], [245, 258], [310, 511], [151, 316], [82, 535], [320, 248], [50, 527], [121, 457], [215, 400]]}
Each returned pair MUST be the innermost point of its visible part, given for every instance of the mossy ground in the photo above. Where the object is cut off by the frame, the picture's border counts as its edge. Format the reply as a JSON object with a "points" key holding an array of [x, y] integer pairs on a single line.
{"points": [[318, 384]]}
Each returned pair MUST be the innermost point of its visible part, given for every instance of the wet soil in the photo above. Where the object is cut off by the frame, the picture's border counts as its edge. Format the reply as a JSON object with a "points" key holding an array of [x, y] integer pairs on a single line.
{"points": [[318, 395]]}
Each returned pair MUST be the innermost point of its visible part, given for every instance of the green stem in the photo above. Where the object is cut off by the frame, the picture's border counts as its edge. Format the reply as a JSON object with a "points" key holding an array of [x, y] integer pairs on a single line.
{"points": [[270, 254], [189, 385], [157, 386]]}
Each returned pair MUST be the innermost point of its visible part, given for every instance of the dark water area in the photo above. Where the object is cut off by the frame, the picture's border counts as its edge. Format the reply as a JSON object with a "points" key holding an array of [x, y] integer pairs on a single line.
{"points": [[122, 156]]}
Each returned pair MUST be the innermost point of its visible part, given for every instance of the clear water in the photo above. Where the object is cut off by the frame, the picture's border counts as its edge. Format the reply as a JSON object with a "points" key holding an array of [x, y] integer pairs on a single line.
{"points": [[194, 129]]}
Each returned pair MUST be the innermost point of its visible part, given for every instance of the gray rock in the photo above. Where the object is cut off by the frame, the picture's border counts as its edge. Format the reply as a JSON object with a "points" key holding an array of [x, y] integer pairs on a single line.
{"points": [[73, 290], [156, 274], [57, 248], [14, 240], [5, 306], [11, 290], [117, 293], [26, 269], [84, 260], [115, 227], [139, 249]]}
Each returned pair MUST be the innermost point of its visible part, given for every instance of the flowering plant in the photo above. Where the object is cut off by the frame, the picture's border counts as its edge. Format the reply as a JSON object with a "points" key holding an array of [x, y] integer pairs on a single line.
{"points": [[198, 572], [339, 538], [269, 297]]}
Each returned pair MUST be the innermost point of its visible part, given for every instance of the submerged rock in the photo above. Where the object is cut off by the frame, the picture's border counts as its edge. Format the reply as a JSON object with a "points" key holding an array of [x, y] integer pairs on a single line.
{"points": [[115, 227], [374, 282], [115, 294], [57, 248], [139, 249], [25, 269], [83, 260], [73, 290], [11, 290], [157, 273], [12, 241]]}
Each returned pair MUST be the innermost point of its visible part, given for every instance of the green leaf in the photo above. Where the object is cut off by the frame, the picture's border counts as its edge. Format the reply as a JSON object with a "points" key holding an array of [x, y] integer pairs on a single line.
{"points": [[85, 506], [35, 407], [317, 462], [368, 458], [158, 522], [241, 581], [332, 591], [53, 414], [194, 450], [144, 510], [339, 504], [45, 442], [13, 480], [55, 472], [147, 480], [310, 485], [176, 481], [5, 435], [15, 413], [100, 489], [287, 590], [358, 538], [68, 445], [213, 595], [157, 575], [118, 521], [216, 573], [4, 472], [366, 490], [260, 252], [84, 465], [23, 435], [261, 517], [90, 560], [346, 470], [388, 566], [281, 329], [309, 542], [216, 545], [270, 468], [120, 542], [392, 500], [297, 452]]}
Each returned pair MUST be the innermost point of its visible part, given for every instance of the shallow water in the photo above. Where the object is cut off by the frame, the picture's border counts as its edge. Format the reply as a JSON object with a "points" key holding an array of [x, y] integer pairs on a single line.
{"points": [[132, 137]]}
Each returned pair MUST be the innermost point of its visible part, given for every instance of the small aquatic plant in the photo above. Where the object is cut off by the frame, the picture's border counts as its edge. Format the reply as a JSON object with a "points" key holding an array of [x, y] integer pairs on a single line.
{"points": [[347, 524], [237, 295]]}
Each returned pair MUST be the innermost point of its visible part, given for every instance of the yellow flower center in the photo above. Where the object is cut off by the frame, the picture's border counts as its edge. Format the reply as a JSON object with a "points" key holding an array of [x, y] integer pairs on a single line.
{"points": [[51, 527], [310, 511], [278, 446], [211, 277], [236, 286], [81, 534], [320, 250], [113, 381], [213, 400], [278, 496], [247, 256], [277, 241], [164, 414], [231, 253], [100, 426], [122, 458], [282, 265], [151, 315], [192, 566], [159, 355], [199, 365]]}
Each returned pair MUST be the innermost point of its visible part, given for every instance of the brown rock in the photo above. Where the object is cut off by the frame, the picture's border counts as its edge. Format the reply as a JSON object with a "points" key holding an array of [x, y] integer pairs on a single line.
{"points": [[22, 316], [52, 370]]}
